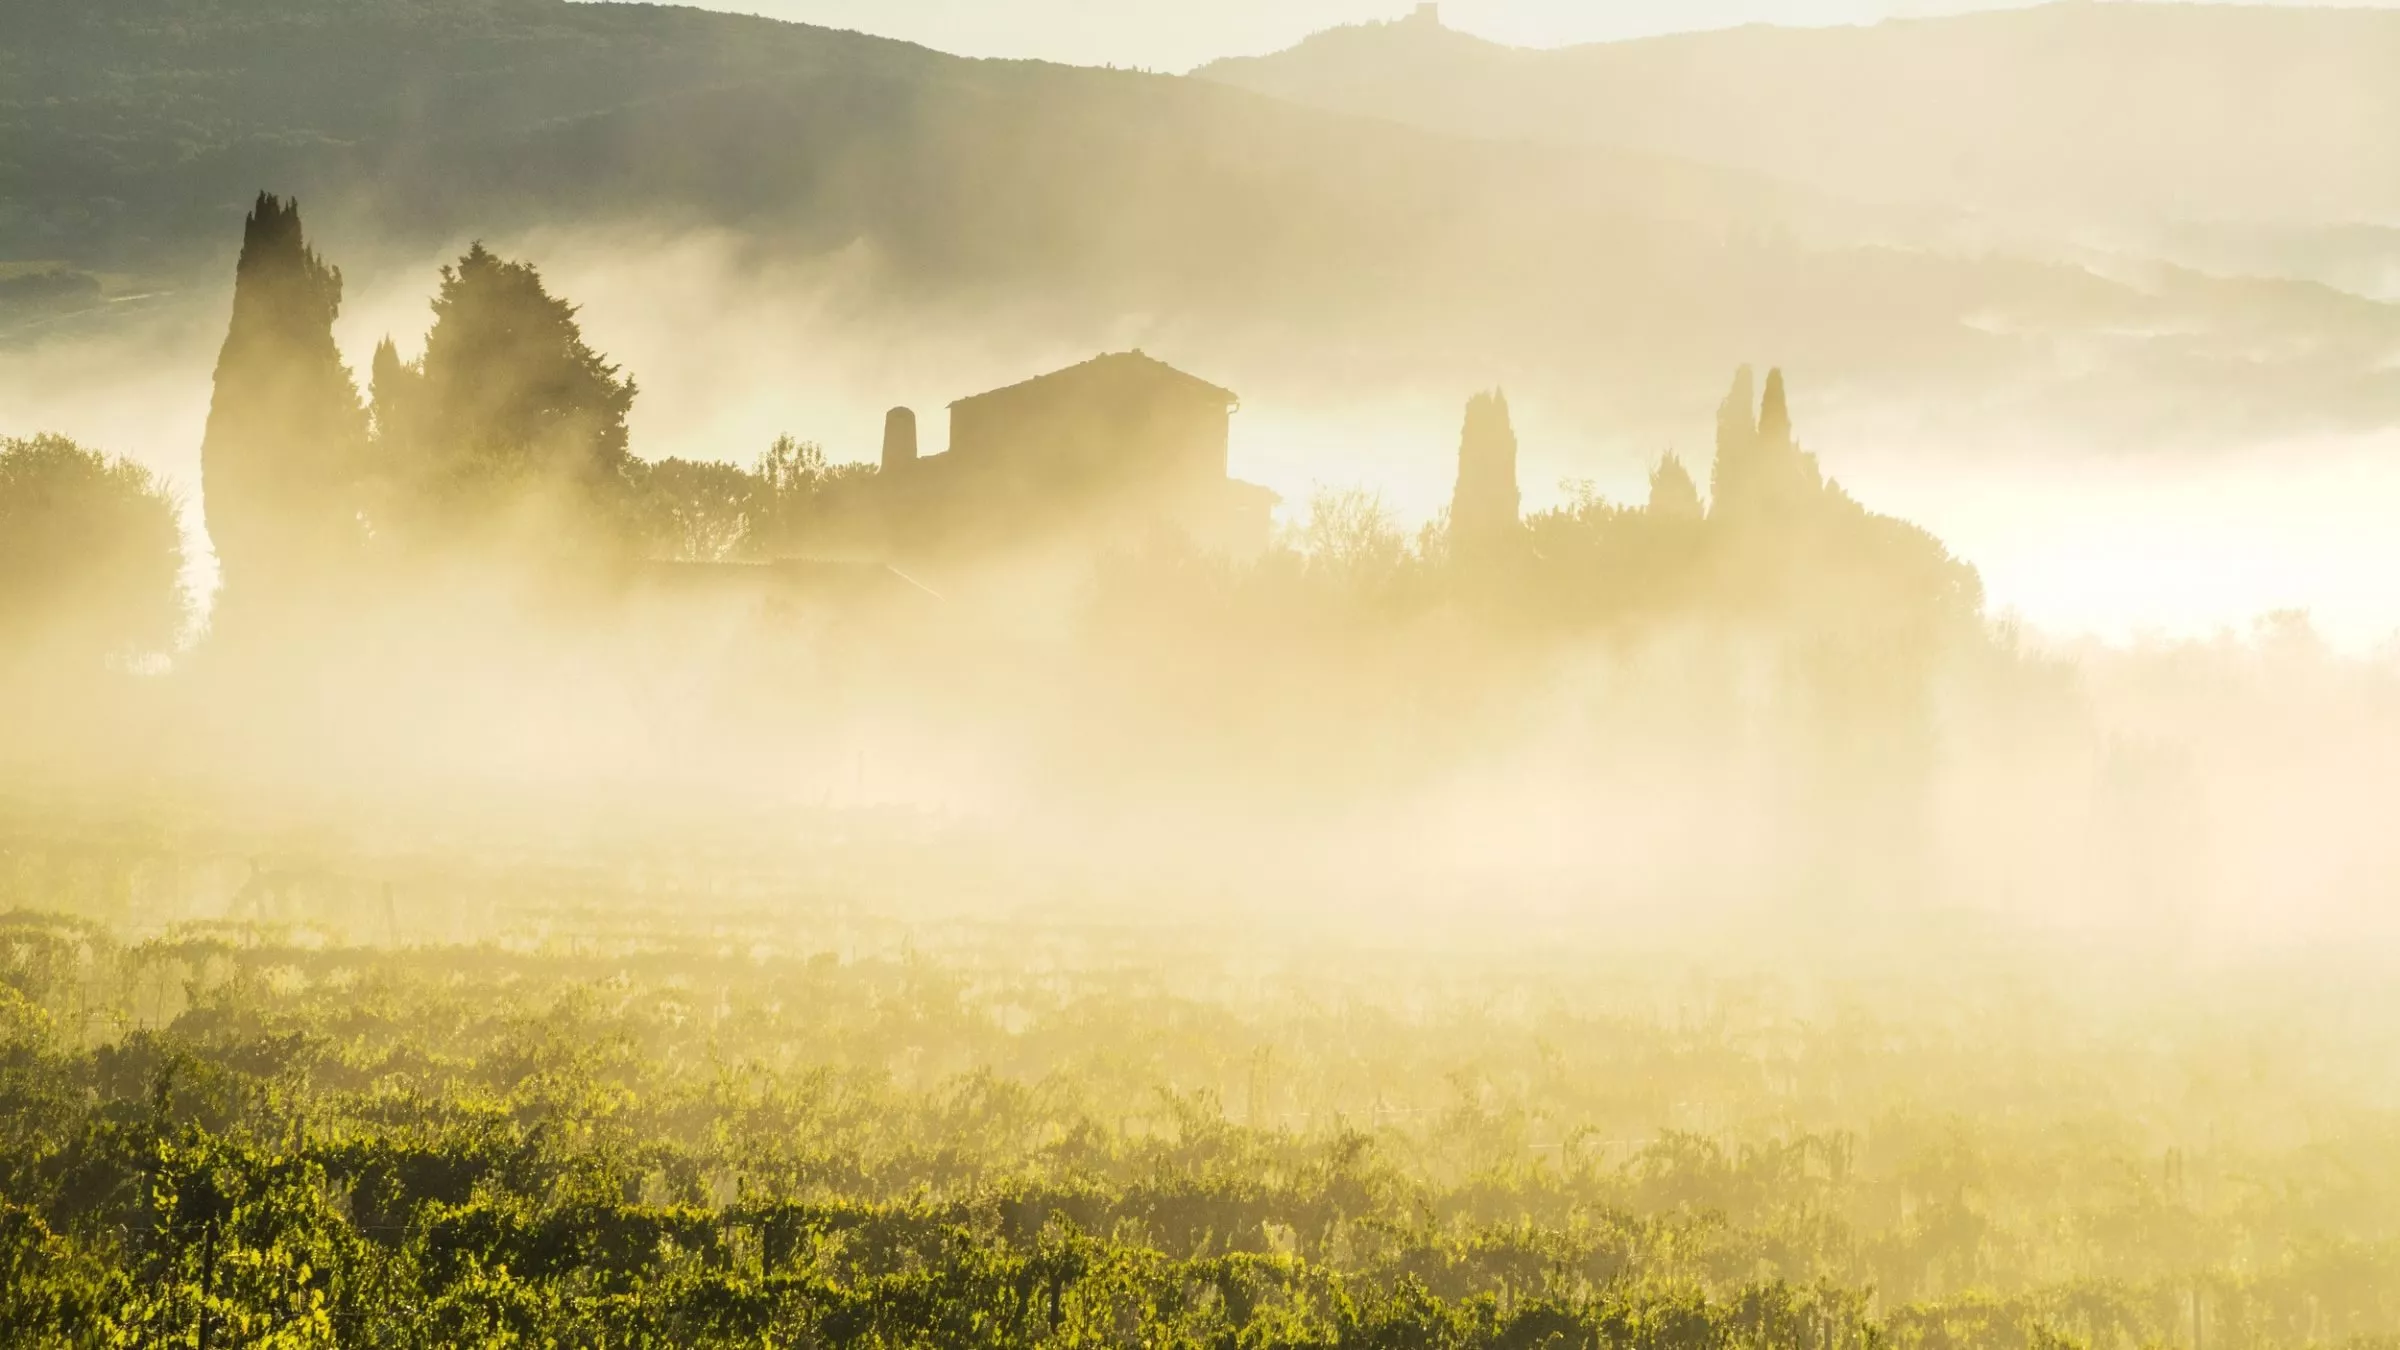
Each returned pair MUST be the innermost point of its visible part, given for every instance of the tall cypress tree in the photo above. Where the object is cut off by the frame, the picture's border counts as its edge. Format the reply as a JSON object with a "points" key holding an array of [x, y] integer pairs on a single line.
{"points": [[1732, 480], [1484, 505], [394, 395], [1791, 479], [1774, 415], [280, 461], [1761, 472]]}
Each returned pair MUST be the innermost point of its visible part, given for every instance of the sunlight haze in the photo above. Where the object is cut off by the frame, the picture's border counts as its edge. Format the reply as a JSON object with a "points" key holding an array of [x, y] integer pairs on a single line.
{"points": [[1252, 675], [1176, 35]]}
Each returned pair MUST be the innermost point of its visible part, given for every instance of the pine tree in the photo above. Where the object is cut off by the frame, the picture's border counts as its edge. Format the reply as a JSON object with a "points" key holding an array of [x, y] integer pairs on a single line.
{"points": [[508, 403], [1484, 506], [280, 461]]}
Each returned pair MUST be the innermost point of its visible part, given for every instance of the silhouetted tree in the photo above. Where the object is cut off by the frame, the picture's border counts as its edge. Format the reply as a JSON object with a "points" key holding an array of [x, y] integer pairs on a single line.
{"points": [[1484, 506], [1737, 445], [716, 512], [800, 497], [91, 558], [1792, 476], [1673, 495], [1774, 413], [1351, 535], [281, 459], [698, 511], [395, 395], [508, 410], [1761, 473]]}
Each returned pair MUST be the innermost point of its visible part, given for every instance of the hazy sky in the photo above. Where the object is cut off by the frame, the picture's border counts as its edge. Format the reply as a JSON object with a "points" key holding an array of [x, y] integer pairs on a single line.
{"points": [[1180, 34]]}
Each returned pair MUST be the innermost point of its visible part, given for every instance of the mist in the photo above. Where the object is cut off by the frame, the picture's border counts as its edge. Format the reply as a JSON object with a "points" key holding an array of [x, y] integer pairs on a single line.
{"points": [[2077, 534], [674, 678]]}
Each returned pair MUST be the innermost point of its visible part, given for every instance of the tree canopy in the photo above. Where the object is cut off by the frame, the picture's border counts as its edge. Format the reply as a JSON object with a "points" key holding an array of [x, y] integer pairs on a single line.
{"points": [[91, 557], [508, 410]]}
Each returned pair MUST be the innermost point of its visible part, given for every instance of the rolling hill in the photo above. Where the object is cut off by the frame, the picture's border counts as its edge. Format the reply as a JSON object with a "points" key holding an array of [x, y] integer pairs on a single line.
{"points": [[2078, 112], [1303, 252]]}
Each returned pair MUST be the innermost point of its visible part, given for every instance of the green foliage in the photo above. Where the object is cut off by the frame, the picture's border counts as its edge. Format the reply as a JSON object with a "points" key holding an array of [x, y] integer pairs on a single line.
{"points": [[511, 429], [698, 512], [718, 512], [1798, 638], [510, 419], [91, 558], [690, 1145]]}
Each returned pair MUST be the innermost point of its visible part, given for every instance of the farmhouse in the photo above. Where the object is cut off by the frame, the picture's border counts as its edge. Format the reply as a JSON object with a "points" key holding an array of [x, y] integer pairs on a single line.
{"points": [[1116, 447]]}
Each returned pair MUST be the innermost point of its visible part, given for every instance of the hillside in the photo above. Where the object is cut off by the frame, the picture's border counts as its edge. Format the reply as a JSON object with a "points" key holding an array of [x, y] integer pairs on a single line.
{"points": [[134, 125], [2080, 112], [1299, 254]]}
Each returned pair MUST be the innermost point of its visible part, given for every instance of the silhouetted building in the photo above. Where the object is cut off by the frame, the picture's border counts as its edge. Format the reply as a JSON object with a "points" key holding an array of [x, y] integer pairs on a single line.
{"points": [[1119, 446], [899, 440]]}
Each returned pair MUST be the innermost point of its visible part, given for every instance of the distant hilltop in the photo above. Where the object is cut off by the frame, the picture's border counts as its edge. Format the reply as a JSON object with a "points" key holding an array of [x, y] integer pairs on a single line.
{"points": [[1607, 228], [2095, 113]]}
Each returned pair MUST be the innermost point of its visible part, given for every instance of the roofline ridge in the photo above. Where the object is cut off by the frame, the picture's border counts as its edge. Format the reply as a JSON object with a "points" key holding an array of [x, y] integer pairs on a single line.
{"points": [[1231, 398]]}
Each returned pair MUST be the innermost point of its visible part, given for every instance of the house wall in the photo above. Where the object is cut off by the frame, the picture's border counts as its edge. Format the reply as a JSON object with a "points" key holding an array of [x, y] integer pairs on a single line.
{"points": [[1067, 462], [1094, 433]]}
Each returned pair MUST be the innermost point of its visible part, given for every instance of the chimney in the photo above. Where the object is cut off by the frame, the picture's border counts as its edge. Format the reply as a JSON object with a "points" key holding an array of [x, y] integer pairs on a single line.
{"points": [[899, 440]]}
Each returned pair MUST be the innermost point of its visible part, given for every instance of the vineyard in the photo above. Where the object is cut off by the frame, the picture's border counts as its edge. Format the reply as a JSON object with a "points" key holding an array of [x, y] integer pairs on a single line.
{"points": [[686, 1117]]}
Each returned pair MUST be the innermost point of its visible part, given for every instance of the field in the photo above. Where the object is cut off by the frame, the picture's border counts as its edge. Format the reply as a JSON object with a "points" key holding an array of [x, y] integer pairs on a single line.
{"points": [[822, 1105], [1736, 689]]}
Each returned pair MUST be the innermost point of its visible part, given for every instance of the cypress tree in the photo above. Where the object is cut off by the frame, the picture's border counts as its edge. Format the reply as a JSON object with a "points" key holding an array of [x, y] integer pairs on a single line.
{"points": [[394, 393], [1732, 480], [280, 460], [1775, 416], [1792, 480], [1484, 505]]}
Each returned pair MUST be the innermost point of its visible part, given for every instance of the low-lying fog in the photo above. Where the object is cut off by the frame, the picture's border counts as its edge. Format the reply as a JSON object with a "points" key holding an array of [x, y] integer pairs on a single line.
{"points": [[2076, 533]]}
